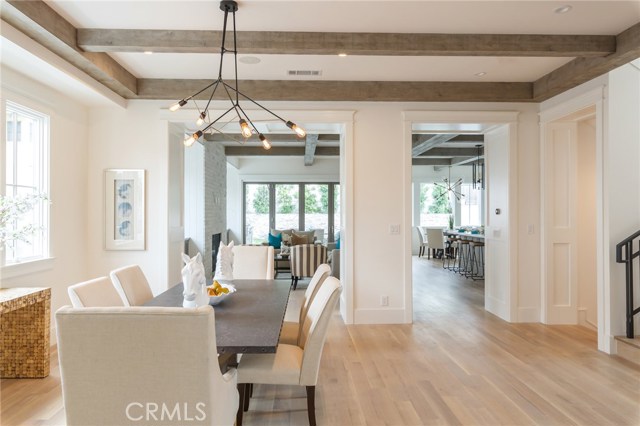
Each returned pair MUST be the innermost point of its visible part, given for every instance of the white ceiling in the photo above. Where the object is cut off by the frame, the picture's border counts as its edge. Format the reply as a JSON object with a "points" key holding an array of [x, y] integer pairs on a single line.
{"points": [[517, 17], [498, 17]]}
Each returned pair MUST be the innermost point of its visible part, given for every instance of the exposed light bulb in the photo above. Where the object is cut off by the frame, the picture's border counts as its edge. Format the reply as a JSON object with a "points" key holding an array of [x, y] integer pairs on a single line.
{"points": [[265, 142], [244, 127], [200, 120], [193, 138], [299, 130], [177, 105]]}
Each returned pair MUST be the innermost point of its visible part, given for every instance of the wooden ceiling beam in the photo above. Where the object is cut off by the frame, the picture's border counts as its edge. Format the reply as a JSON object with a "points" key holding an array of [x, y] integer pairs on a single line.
{"points": [[285, 151], [430, 162], [332, 43], [40, 22], [581, 70], [463, 138], [326, 90], [449, 152], [311, 144], [427, 142]]}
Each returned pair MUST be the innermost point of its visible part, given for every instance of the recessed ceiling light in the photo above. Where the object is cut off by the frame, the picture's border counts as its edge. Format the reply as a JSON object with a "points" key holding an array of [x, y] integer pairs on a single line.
{"points": [[562, 9], [148, 52], [342, 54], [480, 74], [250, 60]]}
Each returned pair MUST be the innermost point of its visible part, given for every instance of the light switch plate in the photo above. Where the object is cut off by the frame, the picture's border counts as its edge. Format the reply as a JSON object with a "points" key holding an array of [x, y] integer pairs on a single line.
{"points": [[394, 229]]}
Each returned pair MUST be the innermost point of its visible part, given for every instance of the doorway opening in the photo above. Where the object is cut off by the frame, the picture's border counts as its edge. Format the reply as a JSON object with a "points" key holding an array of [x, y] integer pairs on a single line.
{"points": [[478, 259], [570, 218]]}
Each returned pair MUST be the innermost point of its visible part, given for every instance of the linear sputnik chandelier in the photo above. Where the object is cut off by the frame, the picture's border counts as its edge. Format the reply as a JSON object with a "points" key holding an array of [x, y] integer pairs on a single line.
{"points": [[230, 6], [478, 171], [450, 187]]}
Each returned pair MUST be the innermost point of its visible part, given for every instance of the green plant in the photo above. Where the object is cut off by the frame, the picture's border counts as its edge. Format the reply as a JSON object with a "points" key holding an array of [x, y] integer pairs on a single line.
{"points": [[450, 221], [11, 210], [440, 203]]}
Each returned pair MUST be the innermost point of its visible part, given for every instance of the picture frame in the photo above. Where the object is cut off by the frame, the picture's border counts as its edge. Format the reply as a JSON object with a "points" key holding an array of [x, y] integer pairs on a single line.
{"points": [[124, 195]]}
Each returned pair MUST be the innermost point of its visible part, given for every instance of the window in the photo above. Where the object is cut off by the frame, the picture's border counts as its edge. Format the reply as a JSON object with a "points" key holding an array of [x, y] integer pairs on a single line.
{"points": [[435, 205], [26, 161], [290, 206], [256, 213], [471, 205]]}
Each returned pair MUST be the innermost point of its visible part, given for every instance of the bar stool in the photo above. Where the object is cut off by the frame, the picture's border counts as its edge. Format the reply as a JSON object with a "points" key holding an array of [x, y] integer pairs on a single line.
{"points": [[464, 256], [477, 261], [451, 253]]}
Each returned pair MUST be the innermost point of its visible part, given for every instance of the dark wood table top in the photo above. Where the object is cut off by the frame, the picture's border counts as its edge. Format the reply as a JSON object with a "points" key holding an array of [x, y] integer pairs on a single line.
{"points": [[249, 320]]}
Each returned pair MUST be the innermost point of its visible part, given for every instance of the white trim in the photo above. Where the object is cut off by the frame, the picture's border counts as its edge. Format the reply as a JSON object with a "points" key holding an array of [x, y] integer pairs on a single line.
{"points": [[346, 221], [528, 314], [594, 97], [407, 209], [27, 268], [573, 105], [281, 178], [380, 316], [509, 118], [485, 117]]}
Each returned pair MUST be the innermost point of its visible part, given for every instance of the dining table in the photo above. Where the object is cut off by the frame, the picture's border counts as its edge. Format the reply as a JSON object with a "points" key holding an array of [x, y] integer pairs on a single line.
{"points": [[247, 321]]}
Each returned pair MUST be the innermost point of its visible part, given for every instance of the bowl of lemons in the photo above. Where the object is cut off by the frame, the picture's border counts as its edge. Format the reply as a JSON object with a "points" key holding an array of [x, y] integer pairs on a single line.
{"points": [[218, 292]]}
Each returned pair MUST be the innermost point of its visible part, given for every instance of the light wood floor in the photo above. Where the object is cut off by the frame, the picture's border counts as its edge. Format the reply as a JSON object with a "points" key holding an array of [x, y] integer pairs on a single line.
{"points": [[457, 364]]}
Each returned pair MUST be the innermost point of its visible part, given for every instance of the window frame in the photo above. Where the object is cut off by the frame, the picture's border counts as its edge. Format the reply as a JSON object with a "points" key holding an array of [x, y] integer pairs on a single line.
{"points": [[11, 101], [301, 203]]}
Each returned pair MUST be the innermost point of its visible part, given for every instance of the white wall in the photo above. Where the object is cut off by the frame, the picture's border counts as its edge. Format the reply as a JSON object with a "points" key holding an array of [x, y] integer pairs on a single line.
{"points": [[68, 188], [135, 138], [618, 165], [622, 150], [234, 205], [586, 223], [194, 196]]}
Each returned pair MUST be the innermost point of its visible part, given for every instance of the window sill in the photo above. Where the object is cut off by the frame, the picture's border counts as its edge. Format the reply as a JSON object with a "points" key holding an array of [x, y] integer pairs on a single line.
{"points": [[26, 268]]}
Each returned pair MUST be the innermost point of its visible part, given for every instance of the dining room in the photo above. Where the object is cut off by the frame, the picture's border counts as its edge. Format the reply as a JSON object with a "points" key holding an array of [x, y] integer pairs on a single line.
{"points": [[102, 102]]}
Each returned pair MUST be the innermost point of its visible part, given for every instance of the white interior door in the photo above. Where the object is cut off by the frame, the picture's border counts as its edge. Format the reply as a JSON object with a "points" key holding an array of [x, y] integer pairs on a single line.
{"points": [[559, 174], [499, 186]]}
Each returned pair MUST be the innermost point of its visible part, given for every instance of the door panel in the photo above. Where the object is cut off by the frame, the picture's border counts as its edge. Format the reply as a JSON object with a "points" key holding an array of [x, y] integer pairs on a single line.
{"points": [[560, 186], [498, 256]]}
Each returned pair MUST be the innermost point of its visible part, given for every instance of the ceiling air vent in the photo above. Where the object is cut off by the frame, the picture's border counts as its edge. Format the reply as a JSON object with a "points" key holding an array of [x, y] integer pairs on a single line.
{"points": [[305, 73]]}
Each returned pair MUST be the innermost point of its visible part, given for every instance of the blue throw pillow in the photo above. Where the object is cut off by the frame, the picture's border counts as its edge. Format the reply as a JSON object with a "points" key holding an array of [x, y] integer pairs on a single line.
{"points": [[275, 241], [338, 244]]}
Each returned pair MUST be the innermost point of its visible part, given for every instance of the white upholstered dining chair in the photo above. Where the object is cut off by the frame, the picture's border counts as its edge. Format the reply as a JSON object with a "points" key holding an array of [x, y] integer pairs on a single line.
{"points": [[435, 241], [253, 263], [422, 240], [93, 293], [132, 285], [294, 364], [290, 332], [120, 365]]}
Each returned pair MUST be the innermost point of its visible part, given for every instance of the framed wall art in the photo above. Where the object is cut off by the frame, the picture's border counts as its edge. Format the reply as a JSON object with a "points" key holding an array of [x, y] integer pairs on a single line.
{"points": [[124, 209]]}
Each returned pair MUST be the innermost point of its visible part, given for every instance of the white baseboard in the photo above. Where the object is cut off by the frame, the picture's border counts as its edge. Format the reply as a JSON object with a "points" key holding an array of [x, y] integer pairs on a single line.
{"points": [[379, 316], [583, 321], [528, 315]]}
